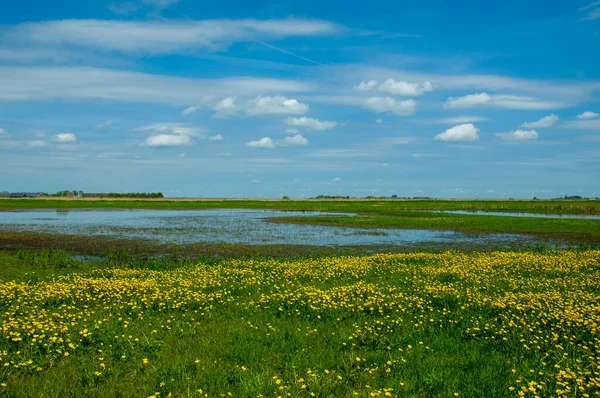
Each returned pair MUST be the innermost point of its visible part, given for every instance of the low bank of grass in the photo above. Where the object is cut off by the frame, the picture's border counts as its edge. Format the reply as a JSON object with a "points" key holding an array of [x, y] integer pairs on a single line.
{"points": [[373, 206], [563, 230], [415, 324]]}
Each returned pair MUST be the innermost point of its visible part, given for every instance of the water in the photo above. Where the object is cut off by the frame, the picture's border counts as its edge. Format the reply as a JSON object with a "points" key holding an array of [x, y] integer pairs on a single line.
{"points": [[230, 226], [514, 214]]}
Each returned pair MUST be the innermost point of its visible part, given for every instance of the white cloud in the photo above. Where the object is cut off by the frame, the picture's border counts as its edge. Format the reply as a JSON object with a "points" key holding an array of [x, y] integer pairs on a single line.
{"points": [[103, 126], [265, 105], [522, 102], [462, 132], [256, 181], [467, 101], [387, 104], [167, 140], [265, 142], [310, 123], [225, 107], [366, 85], [163, 37], [337, 179], [588, 115], [294, 140], [217, 137], [459, 120], [378, 121], [170, 134], [519, 135], [189, 110], [500, 101], [65, 138], [404, 88], [85, 83], [4, 134], [546, 121], [292, 131], [173, 128]]}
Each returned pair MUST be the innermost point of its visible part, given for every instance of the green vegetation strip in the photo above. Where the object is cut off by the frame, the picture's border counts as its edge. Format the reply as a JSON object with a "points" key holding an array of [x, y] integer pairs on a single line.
{"points": [[564, 230], [378, 207]]}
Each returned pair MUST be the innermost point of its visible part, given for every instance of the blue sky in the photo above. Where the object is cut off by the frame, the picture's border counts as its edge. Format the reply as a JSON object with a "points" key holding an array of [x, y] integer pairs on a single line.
{"points": [[262, 99]]}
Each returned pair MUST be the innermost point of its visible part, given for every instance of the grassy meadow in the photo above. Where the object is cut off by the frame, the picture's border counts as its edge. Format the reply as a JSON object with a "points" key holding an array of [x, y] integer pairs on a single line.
{"points": [[481, 324]]}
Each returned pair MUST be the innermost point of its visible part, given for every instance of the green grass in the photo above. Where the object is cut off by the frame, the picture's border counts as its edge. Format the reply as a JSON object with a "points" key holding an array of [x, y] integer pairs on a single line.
{"points": [[379, 207], [565, 230], [417, 325]]}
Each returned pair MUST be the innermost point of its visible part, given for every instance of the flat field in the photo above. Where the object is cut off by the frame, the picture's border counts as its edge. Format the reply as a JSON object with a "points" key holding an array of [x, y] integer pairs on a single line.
{"points": [[421, 324], [412, 214]]}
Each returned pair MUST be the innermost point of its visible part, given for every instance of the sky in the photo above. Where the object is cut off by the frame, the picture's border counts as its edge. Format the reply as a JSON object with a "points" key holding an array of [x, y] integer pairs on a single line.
{"points": [[463, 99]]}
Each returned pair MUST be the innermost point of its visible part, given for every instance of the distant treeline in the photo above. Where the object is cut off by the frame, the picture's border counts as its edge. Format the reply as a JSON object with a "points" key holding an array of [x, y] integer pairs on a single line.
{"points": [[81, 194], [138, 195]]}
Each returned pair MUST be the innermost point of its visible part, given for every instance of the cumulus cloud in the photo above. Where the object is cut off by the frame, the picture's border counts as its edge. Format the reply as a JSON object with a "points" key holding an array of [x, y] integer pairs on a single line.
{"points": [[467, 101], [310, 123], [167, 140], [170, 134], [265, 105], [337, 179], [225, 107], [392, 86], [500, 101], [4, 134], [519, 135], [64, 138], [588, 115], [462, 132], [173, 128], [217, 137], [366, 85], [546, 121], [391, 105], [293, 140], [265, 142], [163, 37]]}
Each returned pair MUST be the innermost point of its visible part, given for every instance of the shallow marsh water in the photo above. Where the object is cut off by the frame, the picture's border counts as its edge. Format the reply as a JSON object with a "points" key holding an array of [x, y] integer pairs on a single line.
{"points": [[233, 226]]}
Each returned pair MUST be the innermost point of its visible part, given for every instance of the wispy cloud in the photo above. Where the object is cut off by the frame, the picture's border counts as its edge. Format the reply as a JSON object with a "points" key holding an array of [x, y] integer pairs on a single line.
{"points": [[84, 83], [163, 37], [501, 101], [592, 11]]}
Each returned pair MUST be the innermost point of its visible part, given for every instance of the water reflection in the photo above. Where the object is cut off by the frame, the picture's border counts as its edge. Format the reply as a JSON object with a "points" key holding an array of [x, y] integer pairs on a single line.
{"points": [[230, 226]]}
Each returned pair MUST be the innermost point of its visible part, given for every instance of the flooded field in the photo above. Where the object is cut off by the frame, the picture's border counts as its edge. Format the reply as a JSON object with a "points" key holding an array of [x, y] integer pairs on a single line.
{"points": [[234, 226], [518, 214]]}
